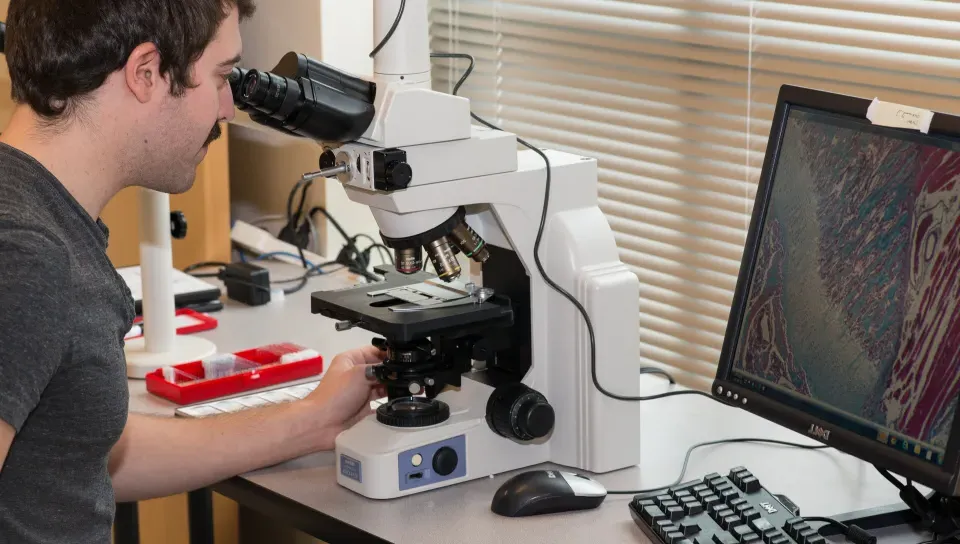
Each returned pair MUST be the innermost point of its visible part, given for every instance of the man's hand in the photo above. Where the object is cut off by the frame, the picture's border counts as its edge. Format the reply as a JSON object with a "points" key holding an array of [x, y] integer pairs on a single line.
{"points": [[343, 397], [147, 462], [6, 439]]}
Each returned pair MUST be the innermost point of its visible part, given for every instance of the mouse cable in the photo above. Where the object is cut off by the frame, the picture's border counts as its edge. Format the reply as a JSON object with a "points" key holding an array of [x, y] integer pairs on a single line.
{"points": [[546, 278], [686, 459], [390, 32]]}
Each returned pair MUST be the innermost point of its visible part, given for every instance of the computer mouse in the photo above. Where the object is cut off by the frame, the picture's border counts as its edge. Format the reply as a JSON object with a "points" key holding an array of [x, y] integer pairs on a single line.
{"points": [[546, 492]]}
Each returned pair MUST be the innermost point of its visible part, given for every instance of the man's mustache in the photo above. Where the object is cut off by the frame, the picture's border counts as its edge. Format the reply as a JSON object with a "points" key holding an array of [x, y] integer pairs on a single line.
{"points": [[214, 134]]}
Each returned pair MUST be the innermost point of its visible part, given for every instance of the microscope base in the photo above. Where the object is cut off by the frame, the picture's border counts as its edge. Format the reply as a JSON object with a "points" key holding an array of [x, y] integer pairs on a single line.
{"points": [[381, 462]]}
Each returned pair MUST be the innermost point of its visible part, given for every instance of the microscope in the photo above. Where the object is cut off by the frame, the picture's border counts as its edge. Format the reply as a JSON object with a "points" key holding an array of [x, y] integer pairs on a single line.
{"points": [[489, 367]]}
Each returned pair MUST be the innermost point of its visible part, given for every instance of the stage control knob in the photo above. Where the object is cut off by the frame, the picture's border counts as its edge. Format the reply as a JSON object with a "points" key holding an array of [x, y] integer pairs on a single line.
{"points": [[445, 461], [517, 411]]}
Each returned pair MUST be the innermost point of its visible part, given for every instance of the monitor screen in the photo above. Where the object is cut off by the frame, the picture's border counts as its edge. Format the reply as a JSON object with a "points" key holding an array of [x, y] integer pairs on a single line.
{"points": [[853, 311]]}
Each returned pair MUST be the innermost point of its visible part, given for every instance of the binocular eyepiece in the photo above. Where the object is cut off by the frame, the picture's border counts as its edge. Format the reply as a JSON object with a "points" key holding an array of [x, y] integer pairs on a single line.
{"points": [[305, 97]]}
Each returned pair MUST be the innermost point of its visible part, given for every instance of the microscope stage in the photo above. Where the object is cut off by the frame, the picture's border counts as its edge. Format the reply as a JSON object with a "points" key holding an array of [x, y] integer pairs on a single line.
{"points": [[372, 307]]}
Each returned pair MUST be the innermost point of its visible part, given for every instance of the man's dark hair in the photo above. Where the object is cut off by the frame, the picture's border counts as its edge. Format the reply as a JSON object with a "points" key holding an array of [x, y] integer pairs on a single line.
{"points": [[60, 50]]}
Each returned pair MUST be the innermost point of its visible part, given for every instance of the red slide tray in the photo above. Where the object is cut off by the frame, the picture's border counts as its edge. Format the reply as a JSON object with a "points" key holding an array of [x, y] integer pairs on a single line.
{"points": [[192, 386]]}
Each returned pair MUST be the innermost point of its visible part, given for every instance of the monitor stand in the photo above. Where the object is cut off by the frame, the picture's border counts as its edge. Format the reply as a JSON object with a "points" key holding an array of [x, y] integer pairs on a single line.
{"points": [[942, 518]]}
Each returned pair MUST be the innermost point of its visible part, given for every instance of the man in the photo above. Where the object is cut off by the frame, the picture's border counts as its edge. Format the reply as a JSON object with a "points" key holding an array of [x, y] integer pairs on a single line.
{"points": [[114, 94]]}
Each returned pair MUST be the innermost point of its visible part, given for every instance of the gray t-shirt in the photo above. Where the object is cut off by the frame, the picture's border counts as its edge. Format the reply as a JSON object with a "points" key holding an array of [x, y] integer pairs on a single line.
{"points": [[64, 311]]}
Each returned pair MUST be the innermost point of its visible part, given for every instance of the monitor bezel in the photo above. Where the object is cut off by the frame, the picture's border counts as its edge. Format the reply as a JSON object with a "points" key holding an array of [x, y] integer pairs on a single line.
{"points": [[941, 478]]}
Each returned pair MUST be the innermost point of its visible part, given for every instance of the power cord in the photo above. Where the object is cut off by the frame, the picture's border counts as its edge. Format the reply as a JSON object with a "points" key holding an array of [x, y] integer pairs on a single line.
{"points": [[852, 532], [543, 273], [686, 459], [390, 32]]}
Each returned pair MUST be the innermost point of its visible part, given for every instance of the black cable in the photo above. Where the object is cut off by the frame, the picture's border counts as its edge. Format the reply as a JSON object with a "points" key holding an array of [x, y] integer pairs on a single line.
{"points": [[686, 459], [944, 539], [549, 281], [205, 264], [899, 485], [390, 32], [658, 371], [466, 74], [839, 525]]}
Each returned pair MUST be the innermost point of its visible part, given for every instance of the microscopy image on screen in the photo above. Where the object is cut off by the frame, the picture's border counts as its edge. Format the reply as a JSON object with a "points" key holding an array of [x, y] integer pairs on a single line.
{"points": [[855, 301]]}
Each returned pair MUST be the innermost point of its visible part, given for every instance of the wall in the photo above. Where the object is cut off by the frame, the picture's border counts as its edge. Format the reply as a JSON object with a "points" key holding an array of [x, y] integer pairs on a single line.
{"points": [[266, 164]]}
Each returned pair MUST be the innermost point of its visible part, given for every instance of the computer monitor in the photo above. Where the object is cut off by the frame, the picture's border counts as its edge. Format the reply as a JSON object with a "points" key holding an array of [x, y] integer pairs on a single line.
{"points": [[845, 324]]}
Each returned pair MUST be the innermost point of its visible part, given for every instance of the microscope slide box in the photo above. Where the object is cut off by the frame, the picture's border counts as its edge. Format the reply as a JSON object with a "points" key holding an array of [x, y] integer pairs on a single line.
{"points": [[234, 373]]}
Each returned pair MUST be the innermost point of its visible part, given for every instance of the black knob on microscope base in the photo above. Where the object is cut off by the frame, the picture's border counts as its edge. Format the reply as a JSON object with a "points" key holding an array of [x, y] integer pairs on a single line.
{"points": [[517, 411], [445, 461]]}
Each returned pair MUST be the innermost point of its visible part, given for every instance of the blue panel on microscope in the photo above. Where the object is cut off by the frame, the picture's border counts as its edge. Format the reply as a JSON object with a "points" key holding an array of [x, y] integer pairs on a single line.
{"points": [[350, 468], [418, 466]]}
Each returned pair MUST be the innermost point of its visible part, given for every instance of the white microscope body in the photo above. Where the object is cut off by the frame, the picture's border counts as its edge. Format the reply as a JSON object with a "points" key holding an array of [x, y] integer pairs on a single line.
{"points": [[456, 165]]}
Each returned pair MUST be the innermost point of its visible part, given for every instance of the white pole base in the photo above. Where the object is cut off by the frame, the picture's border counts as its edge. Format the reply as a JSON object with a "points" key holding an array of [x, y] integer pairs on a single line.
{"points": [[185, 349]]}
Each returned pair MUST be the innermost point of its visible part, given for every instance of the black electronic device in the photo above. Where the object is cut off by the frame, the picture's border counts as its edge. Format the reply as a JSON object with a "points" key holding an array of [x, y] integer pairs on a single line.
{"points": [[247, 283], [305, 97], [845, 324], [732, 509], [539, 492]]}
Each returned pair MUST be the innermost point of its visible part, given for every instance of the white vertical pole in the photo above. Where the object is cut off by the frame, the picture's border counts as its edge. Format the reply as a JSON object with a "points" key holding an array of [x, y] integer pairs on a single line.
{"points": [[407, 54], [156, 266]]}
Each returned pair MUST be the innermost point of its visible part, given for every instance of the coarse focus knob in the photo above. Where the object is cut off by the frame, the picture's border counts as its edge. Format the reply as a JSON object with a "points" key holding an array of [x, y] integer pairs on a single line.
{"points": [[517, 411]]}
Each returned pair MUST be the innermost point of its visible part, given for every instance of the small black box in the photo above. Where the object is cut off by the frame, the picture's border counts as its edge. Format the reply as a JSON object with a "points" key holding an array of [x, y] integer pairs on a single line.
{"points": [[247, 283]]}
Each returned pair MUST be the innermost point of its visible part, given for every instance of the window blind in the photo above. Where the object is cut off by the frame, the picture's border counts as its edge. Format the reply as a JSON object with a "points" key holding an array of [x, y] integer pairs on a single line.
{"points": [[675, 100]]}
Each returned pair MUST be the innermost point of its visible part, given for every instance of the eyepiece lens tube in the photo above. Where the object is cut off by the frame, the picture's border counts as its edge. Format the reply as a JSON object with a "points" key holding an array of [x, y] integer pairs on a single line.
{"points": [[472, 245], [265, 91], [409, 260], [443, 259]]}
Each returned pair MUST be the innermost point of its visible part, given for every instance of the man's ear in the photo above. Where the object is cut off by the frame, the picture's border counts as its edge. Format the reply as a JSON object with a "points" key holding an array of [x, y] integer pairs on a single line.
{"points": [[142, 72]]}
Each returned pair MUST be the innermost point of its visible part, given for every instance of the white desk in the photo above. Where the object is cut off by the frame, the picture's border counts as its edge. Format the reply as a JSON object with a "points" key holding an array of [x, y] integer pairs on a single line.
{"points": [[305, 494]]}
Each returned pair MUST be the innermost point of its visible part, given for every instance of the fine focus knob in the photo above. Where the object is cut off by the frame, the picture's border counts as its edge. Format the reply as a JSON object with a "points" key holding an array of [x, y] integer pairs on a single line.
{"points": [[517, 411], [445, 461], [398, 175]]}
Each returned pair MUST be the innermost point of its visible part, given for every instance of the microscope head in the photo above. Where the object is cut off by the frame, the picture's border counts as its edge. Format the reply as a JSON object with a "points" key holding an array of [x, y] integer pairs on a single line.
{"points": [[304, 97]]}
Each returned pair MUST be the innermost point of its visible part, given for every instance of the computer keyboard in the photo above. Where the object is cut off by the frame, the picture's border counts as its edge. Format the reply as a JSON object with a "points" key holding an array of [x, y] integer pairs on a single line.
{"points": [[732, 509]]}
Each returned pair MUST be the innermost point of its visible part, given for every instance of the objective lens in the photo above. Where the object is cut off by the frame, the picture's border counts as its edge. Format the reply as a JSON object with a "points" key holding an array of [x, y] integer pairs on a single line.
{"points": [[409, 260], [443, 259], [471, 243]]}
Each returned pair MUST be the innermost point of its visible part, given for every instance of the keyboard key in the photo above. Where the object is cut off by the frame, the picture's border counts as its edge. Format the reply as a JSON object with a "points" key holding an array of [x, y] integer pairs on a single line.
{"points": [[751, 513], [673, 538], [741, 508], [684, 500], [716, 509], [699, 487], [660, 499], [664, 526], [730, 522], [761, 525], [774, 536], [710, 500], [674, 513], [652, 514], [689, 528], [724, 538], [667, 504], [739, 531], [737, 502], [703, 493], [728, 495], [750, 538], [816, 540], [643, 503], [693, 508], [780, 539], [750, 485], [725, 485], [684, 541], [790, 523], [805, 535], [679, 495]]}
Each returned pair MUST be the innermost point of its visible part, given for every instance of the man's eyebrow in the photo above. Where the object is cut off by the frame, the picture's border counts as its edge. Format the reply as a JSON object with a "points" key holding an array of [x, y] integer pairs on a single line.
{"points": [[230, 62]]}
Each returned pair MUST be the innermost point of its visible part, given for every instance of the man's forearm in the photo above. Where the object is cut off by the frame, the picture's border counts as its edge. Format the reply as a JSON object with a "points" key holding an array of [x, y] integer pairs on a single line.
{"points": [[157, 457]]}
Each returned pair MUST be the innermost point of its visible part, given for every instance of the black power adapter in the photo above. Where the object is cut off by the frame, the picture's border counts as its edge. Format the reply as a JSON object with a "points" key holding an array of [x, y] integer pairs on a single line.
{"points": [[247, 283]]}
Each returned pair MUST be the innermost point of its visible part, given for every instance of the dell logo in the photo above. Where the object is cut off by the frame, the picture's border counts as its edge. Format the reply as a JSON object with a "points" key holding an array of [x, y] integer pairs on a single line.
{"points": [[818, 432], [551, 474], [768, 507]]}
